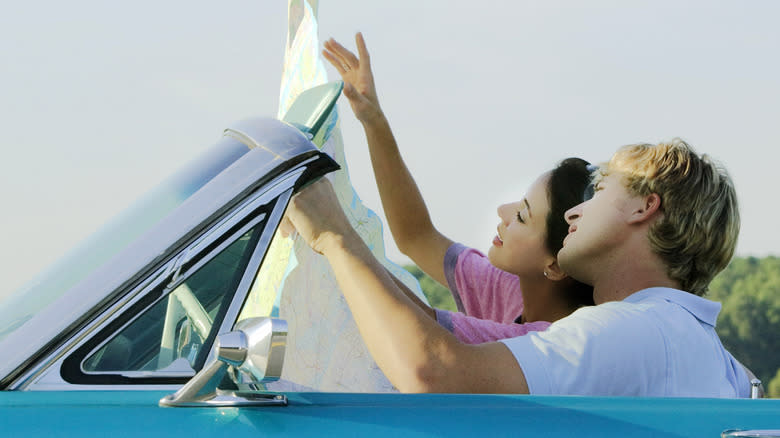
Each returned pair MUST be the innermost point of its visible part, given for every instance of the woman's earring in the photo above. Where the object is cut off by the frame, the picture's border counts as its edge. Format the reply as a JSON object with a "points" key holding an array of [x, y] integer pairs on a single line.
{"points": [[545, 274]]}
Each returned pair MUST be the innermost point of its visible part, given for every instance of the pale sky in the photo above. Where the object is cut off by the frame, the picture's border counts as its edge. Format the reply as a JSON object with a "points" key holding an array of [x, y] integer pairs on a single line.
{"points": [[102, 100]]}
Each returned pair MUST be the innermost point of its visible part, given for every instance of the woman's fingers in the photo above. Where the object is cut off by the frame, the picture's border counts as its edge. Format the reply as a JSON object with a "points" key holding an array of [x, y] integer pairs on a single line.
{"points": [[347, 58], [335, 62], [362, 49]]}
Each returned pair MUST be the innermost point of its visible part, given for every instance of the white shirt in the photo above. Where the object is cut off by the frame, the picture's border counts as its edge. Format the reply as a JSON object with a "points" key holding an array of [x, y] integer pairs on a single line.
{"points": [[657, 342]]}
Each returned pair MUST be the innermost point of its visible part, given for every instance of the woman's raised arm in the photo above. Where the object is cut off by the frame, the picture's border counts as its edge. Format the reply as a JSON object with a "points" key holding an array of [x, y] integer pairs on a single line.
{"points": [[407, 214]]}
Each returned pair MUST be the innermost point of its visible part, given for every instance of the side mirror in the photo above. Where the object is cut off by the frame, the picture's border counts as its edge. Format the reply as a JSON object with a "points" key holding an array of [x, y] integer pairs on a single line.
{"points": [[311, 112], [253, 353], [255, 350]]}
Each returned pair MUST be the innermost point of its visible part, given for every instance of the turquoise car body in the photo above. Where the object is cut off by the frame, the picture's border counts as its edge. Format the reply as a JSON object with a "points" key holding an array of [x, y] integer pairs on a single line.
{"points": [[136, 413]]}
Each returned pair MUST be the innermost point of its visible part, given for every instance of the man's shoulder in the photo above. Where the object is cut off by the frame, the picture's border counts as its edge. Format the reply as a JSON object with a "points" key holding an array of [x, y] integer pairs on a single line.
{"points": [[704, 310], [611, 311], [613, 348], [617, 322]]}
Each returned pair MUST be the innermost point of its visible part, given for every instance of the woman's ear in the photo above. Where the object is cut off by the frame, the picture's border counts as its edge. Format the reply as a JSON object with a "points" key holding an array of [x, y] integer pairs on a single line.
{"points": [[552, 271], [646, 208]]}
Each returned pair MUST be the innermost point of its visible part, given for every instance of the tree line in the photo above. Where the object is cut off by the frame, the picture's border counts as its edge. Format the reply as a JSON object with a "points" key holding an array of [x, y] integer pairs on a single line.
{"points": [[748, 324]]}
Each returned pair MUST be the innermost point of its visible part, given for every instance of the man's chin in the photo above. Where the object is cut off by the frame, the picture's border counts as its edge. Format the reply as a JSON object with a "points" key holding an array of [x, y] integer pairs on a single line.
{"points": [[565, 257]]}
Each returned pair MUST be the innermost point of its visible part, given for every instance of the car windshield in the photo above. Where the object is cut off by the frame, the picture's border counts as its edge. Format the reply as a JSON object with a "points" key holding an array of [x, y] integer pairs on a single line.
{"points": [[102, 246]]}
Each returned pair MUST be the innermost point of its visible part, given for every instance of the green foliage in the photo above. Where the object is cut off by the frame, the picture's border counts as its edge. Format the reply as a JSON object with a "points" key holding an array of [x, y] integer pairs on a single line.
{"points": [[749, 321], [438, 295], [773, 389]]}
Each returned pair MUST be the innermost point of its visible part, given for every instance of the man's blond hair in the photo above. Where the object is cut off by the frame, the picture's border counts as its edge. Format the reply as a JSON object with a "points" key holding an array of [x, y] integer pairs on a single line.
{"points": [[697, 232]]}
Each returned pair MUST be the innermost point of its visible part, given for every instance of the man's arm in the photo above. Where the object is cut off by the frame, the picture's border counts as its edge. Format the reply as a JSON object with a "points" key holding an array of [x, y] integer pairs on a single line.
{"points": [[411, 295], [415, 353]]}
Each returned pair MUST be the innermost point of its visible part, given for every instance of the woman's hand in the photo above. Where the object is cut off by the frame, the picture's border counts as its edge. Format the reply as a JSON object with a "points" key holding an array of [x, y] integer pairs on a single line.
{"points": [[358, 79]]}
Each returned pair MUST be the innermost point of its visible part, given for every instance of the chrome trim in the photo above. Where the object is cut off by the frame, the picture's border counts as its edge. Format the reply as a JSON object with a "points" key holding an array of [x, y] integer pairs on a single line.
{"points": [[28, 380], [169, 289], [254, 263], [766, 433], [755, 388], [182, 277], [233, 348], [253, 267], [235, 399], [253, 353], [268, 193], [284, 148], [241, 137], [264, 342]]}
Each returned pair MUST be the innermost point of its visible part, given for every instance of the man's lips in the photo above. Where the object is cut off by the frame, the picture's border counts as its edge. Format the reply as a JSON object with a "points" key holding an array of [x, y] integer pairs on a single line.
{"points": [[572, 229]]}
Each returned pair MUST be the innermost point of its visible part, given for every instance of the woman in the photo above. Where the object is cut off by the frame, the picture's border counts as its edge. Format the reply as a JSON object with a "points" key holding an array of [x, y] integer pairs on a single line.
{"points": [[519, 286]]}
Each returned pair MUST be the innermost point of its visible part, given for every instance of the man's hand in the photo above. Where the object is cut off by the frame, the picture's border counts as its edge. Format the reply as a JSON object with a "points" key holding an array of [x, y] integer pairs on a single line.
{"points": [[357, 76], [315, 213]]}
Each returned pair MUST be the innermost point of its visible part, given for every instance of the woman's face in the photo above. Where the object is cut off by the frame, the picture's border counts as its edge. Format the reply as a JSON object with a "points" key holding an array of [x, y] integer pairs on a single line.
{"points": [[519, 247]]}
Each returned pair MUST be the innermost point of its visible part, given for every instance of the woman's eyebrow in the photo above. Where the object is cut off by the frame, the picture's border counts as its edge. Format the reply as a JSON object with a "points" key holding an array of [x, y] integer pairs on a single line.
{"points": [[527, 207]]}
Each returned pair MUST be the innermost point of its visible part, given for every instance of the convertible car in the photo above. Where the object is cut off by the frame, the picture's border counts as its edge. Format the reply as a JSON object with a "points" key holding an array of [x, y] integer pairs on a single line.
{"points": [[145, 330]]}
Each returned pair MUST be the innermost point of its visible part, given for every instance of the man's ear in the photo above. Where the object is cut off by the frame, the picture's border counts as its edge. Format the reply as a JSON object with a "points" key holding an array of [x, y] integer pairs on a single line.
{"points": [[645, 209], [552, 271]]}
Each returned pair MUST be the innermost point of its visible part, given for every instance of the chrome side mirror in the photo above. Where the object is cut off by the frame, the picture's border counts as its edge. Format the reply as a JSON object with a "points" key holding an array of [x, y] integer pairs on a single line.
{"points": [[255, 350], [253, 353]]}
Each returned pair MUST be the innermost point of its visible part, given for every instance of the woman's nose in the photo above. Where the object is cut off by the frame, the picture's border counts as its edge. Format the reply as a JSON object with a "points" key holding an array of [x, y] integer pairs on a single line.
{"points": [[503, 212]]}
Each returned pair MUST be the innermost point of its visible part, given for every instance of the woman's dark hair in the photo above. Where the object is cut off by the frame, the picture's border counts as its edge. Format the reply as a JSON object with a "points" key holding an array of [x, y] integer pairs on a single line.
{"points": [[565, 189]]}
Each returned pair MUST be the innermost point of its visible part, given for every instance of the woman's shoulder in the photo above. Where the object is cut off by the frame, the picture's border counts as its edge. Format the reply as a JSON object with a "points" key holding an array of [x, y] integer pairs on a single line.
{"points": [[471, 266], [462, 257]]}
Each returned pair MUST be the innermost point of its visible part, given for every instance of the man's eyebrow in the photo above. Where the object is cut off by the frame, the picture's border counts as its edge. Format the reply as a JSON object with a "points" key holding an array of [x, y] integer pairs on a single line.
{"points": [[527, 207]]}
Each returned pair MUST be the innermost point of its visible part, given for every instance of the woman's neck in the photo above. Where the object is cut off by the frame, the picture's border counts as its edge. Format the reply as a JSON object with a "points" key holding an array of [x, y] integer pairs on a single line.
{"points": [[542, 302]]}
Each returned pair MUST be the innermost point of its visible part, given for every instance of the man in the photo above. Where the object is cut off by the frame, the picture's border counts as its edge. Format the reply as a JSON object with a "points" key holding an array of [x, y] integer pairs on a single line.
{"points": [[662, 219]]}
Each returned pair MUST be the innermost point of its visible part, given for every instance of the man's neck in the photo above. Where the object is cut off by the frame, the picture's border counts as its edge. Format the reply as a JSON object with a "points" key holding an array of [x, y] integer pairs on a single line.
{"points": [[606, 293], [630, 276]]}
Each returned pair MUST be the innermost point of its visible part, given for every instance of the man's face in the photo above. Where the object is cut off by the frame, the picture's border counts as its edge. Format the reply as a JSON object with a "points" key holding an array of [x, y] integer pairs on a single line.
{"points": [[596, 228]]}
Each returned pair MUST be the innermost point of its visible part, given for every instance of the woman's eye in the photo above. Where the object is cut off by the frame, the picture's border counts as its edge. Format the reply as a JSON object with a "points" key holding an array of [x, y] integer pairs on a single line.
{"points": [[589, 191], [520, 218]]}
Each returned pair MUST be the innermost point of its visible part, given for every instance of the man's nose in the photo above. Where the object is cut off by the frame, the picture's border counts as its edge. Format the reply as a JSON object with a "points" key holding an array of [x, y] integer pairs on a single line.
{"points": [[573, 213]]}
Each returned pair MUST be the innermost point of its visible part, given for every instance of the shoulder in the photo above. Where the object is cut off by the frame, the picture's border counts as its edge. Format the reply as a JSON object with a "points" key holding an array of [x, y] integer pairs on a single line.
{"points": [[597, 350], [610, 325], [663, 300], [458, 254], [612, 315]]}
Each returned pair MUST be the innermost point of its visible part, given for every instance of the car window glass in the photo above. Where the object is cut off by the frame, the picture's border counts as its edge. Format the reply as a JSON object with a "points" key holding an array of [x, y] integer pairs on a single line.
{"points": [[177, 326], [263, 298]]}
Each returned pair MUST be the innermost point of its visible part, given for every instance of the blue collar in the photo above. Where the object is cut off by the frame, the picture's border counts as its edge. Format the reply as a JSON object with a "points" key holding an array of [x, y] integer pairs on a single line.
{"points": [[703, 309]]}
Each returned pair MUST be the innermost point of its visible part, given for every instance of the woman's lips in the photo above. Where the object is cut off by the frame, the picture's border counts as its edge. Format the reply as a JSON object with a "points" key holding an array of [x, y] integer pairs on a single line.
{"points": [[497, 241]]}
